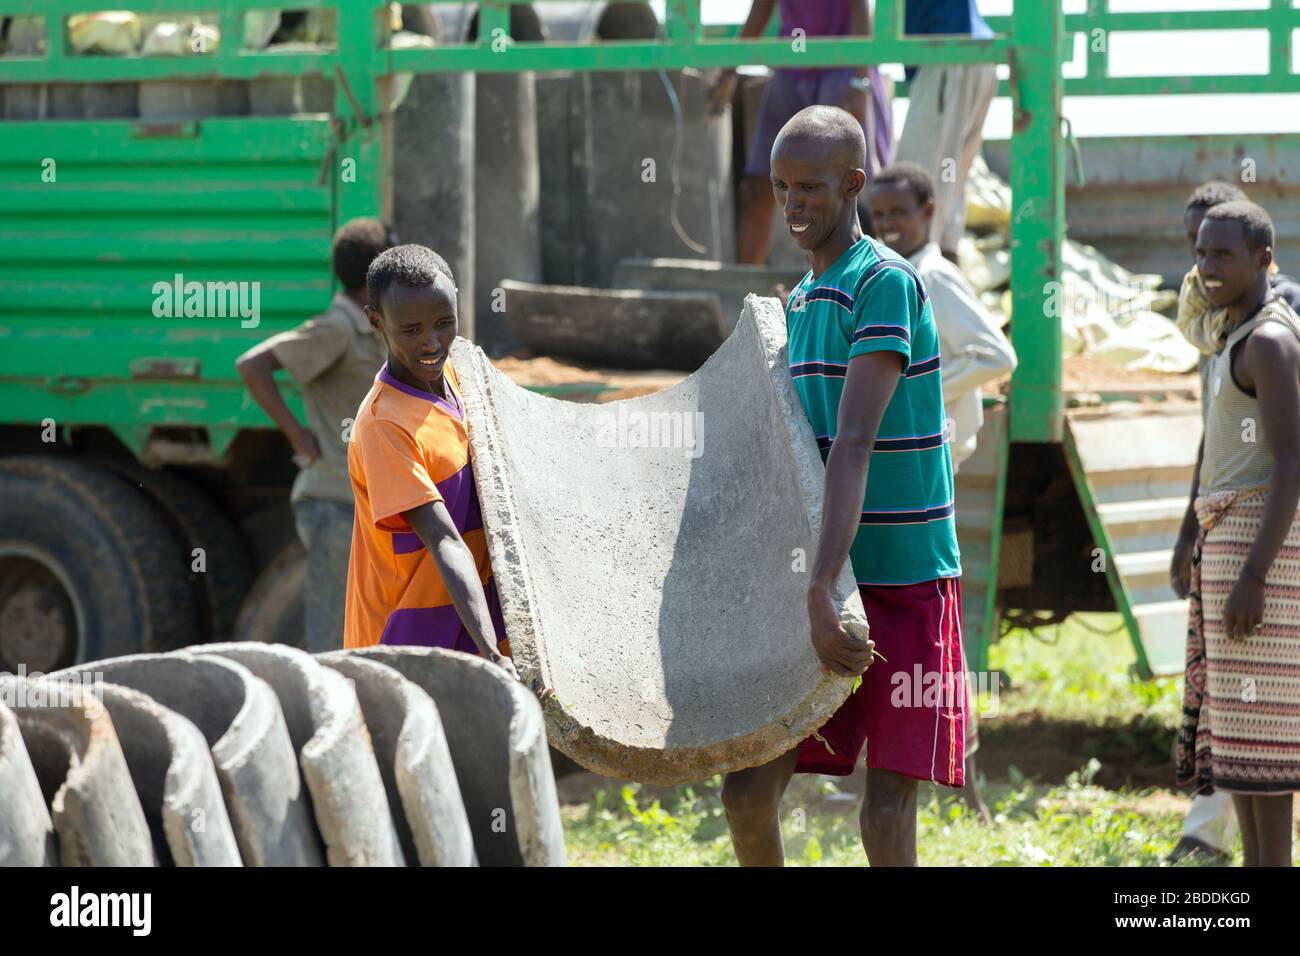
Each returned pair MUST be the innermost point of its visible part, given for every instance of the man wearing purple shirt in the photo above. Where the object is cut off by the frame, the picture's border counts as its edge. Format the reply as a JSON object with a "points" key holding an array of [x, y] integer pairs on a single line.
{"points": [[792, 89]]}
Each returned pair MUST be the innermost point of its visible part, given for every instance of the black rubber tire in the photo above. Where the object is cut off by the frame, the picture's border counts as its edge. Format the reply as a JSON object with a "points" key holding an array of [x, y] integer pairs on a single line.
{"points": [[113, 547], [196, 523], [274, 610]]}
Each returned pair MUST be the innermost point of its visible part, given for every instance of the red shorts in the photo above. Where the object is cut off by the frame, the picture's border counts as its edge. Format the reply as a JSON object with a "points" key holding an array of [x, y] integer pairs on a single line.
{"points": [[910, 710]]}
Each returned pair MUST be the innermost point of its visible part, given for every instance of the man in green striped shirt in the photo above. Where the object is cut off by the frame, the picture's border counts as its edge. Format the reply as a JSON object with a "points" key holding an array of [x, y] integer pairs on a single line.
{"points": [[864, 355]]}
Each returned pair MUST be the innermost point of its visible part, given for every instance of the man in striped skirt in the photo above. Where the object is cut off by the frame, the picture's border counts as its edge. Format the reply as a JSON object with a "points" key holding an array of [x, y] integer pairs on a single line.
{"points": [[1241, 726]]}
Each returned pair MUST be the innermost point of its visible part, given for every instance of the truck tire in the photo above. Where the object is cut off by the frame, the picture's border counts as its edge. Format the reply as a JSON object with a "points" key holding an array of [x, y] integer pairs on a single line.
{"points": [[219, 590], [273, 612], [88, 568]]}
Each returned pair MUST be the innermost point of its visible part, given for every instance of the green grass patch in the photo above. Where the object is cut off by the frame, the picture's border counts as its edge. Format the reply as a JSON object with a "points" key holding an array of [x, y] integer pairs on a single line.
{"points": [[1073, 685]]}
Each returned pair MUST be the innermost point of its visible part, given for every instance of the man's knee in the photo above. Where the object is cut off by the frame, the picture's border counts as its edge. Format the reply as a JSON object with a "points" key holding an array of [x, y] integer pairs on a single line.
{"points": [[890, 805], [748, 798]]}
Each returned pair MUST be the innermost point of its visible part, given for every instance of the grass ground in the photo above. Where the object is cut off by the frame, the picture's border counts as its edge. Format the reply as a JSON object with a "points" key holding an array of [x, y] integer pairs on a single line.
{"points": [[1075, 765]]}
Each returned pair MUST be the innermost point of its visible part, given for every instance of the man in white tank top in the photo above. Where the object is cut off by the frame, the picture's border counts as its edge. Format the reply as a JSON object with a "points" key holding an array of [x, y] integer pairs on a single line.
{"points": [[1241, 739]]}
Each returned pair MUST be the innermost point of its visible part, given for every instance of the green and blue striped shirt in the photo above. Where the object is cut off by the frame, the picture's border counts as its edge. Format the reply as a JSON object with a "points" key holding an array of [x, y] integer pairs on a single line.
{"points": [[871, 300]]}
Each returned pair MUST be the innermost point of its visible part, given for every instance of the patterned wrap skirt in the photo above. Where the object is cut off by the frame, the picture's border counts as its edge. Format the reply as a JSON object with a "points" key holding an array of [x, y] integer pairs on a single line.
{"points": [[1241, 698]]}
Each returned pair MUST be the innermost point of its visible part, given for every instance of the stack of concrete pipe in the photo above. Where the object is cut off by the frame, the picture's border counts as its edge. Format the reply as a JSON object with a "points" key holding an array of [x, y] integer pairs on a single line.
{"points": [[249, 754]]}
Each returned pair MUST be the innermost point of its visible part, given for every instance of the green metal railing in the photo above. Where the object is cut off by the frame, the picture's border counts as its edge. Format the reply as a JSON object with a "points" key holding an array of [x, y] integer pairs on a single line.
{"points": [[362, 63], [1034, 42], [1099, 24]]}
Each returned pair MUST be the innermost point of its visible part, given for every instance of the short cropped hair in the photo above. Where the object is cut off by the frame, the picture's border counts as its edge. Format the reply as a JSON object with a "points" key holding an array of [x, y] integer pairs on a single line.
{"points": [[911, 175], [410, 265], [355, 246], [1212, 193], [1254, 221]]}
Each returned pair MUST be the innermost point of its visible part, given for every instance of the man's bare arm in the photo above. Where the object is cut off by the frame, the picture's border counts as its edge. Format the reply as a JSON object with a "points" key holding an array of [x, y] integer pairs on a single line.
{"points": [[868, 387], [256, 367], [1180, 572], [1271, 359], [860, 20], [724, 87], [432, 522]]}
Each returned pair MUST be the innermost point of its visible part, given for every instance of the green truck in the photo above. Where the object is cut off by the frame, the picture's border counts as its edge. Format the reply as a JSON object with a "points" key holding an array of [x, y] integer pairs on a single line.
{"points": [[143, 496]]}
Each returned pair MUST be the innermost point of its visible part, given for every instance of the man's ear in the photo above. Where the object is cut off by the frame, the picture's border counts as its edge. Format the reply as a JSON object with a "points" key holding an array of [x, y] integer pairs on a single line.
{"points": [[855, 183], [372, 316], [1265, 257], [927, 209]]}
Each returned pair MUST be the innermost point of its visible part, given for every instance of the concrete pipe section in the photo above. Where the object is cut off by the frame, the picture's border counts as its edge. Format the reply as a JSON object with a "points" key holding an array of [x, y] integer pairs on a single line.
{"points": [[616, 328], [240, 719], [175, 780], [664, 160], [507, 230], [434, 194], [329, 735], [414, 760], [652, 559], [497, 739], [730, 282], [26, 831], [83, 776]]}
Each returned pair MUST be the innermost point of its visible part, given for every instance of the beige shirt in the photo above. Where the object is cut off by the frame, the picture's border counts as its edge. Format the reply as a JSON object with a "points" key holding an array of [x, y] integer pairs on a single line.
{"points": [[334, 358]]}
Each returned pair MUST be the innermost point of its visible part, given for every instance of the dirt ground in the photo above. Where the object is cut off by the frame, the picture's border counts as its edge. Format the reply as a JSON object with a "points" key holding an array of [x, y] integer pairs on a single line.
{"points": [[583, 383], [1083, 376]]}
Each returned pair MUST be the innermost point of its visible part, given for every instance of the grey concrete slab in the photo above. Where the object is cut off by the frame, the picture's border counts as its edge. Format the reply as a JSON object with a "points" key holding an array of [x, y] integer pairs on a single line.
{"points": [[83, 775], [26, 831], [240, 718], [655, 181], [507, 237], [434, 191], [728, 281], [334, 751], [174, 777], [652, 559], [414, 760], [497, 738], [616, 328]]}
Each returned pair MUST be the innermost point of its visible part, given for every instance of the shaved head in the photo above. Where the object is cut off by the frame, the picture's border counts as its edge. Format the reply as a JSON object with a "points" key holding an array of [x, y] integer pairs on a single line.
{"points": [[835, 132]]}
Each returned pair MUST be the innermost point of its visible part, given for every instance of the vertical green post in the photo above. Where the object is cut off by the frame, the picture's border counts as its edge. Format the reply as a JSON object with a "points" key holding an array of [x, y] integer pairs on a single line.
{"points": [[1097, 55], [888, 20], [361, 87], [682, 21], [231, 29], [1279, 39], [56, 37], [1037, 220], [493, 16]]}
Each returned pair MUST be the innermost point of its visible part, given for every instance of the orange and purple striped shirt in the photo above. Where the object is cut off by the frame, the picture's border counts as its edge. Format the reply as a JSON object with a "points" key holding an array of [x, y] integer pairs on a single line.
{"points": [[410, 448]]}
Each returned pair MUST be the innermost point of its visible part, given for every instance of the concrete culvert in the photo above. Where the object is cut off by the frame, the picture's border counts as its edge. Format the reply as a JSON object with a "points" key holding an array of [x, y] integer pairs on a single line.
{"points": [[240, 718], [83, 775], [26, 831], [638, 124], [334, 751], [507, 231], [414, 760], [434, 202], [652, 559], [175, 780], [498, 744], [617, 328]]}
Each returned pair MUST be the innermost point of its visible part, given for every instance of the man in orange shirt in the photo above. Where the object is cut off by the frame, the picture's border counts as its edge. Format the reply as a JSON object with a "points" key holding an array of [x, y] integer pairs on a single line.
{"points": [[419, 571]]}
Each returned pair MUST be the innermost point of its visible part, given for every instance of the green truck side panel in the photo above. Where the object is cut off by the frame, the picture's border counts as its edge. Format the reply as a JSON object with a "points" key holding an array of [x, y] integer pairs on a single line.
{"points": [[106, 312]]}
